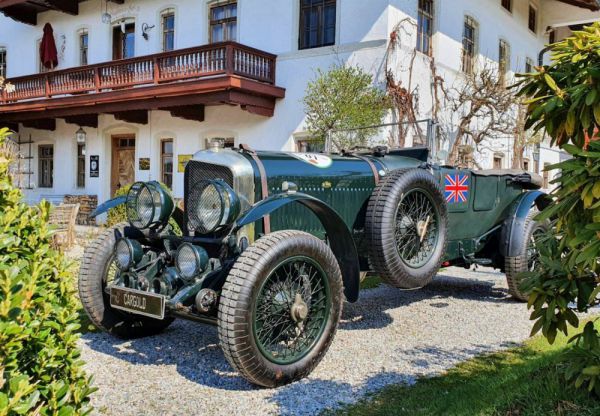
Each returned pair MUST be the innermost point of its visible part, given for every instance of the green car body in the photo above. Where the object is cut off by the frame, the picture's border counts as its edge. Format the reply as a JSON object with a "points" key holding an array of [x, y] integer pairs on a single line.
{"points": [[261, 201]]}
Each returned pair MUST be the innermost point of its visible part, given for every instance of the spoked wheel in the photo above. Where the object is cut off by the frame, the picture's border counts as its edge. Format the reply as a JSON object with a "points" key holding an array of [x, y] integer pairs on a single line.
{"points": [[527, 257], [280, 307], [406, 225], [291, 310], [98, 270], [417, 228]]}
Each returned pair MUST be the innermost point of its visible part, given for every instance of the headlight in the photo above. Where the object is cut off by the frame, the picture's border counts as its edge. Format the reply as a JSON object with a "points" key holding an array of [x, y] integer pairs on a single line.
{"points": [[190, 260], [148, 204], [127, 253], [211, 205]]}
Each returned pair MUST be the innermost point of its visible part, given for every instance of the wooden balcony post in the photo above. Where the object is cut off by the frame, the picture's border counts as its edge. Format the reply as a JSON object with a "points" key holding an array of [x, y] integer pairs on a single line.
{"points": [[97, 79], [273, 65], [229, 60], [156, 70], [4, 95], [47, 85]]}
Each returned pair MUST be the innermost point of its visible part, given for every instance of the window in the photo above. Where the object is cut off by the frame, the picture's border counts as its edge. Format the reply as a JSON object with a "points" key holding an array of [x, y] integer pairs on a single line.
{"points": [[3, 62], [166, 162], [425, 26], [168, 30], [223, 22], [526, 164], [45, 165], [83, 47], [552, 36], [507, 4], [310, 146], [503, 59], [469, 44], [532, 22], [317, 23], [81, 165], [124, 40], [529, 64], [497, 162]]}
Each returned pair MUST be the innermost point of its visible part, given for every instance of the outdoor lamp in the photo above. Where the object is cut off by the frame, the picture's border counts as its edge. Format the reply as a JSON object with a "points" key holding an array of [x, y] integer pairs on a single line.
{"points": [[80, 135]]}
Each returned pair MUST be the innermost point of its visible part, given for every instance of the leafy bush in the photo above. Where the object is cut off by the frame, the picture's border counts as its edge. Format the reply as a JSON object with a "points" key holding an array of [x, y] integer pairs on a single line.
{"points": [[565, 100], [40, 367], [342, 98], [118, 214]]}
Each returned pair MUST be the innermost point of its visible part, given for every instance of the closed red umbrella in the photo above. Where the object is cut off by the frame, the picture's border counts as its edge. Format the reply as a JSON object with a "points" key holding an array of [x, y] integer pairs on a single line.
{"points": [[48, 54]]}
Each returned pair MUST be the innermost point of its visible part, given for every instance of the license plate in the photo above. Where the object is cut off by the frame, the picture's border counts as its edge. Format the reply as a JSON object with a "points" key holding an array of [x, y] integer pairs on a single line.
{"points": [[138, 302]]}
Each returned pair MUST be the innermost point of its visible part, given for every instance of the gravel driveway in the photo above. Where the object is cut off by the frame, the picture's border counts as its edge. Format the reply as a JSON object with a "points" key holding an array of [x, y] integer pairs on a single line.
{"points": [[389, 336]]}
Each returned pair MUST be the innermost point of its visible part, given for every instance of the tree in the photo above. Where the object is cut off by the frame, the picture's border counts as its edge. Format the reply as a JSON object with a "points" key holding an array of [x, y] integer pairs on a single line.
{"points": [[486, 109], [564, 99], [343, 104]]}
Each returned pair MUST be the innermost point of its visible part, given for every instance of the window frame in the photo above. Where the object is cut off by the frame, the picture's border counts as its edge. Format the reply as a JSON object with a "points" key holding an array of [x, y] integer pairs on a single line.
{"points": [[510, 5], [130, 28], [81, 48], [321, 27], [164, 155], [422, 35], [80, 168], [532, 7], [166, 13], [223, 22], [3, 62], [468, 60], [41, 161]]}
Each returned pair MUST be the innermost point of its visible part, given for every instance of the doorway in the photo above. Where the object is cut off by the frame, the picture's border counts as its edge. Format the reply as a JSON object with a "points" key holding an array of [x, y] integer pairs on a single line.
{"points": [[122, 162], [124, 40]]}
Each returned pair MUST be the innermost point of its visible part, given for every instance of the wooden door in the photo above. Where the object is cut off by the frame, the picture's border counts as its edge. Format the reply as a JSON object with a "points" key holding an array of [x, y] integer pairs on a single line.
{"points": [[123, 162]]}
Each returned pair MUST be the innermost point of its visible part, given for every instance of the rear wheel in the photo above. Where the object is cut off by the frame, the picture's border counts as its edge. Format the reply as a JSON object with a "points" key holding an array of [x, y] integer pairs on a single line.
{"points": [[97, 271], [280, 307], [406, 227], [527, 257]]}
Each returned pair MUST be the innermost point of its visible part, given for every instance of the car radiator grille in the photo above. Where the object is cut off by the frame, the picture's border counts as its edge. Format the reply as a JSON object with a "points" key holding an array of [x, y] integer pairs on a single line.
{"points": [[195, 172]]}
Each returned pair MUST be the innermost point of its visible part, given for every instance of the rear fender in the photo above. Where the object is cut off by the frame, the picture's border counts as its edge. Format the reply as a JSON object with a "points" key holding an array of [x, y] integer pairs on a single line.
{"points": [[338, 235], [511, 237]]}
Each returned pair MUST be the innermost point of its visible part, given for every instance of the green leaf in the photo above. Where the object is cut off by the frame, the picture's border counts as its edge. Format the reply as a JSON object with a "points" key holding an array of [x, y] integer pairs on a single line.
{"points": [[550, 82], [597, 113], [590, 99]]}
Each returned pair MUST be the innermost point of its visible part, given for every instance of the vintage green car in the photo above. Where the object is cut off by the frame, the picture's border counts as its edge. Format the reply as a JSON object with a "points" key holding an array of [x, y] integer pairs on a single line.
{"points": [[271, 243]]}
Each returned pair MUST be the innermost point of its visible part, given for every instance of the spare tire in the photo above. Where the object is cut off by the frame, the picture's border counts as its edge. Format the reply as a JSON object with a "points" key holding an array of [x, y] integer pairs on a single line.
{"points": [[406, 227]]}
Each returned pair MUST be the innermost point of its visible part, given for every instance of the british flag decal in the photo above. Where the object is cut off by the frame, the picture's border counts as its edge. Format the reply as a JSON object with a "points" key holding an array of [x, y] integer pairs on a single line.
{"points": [[456, 188]]}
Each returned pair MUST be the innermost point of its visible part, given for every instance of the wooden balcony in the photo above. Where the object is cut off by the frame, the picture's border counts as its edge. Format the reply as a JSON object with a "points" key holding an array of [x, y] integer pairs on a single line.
{"points": [[223, 73], [26, 11]]}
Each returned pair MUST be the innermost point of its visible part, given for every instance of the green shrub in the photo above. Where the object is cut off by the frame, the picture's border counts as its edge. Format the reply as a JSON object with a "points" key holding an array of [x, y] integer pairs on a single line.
{"points": [[40, 367], [118, 214], [565, 101]]}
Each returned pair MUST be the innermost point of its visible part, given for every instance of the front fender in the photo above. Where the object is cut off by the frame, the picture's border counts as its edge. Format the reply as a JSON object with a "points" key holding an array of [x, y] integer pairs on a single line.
{"points": [[338, 235], [105, 206], [511, 237]]}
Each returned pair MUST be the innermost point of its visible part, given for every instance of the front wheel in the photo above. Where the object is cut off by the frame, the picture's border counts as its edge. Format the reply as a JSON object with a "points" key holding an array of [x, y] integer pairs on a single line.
{"points": [[97, 271], [280, 307]]}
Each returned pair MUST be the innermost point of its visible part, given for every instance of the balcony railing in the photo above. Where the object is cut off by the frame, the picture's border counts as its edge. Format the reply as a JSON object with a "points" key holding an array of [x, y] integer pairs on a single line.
{"points": [[228, 58]]}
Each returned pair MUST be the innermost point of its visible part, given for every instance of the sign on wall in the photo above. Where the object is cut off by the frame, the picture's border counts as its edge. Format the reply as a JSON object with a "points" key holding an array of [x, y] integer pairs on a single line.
{"points": [[144, 163], [182, 161], [94, 166]]}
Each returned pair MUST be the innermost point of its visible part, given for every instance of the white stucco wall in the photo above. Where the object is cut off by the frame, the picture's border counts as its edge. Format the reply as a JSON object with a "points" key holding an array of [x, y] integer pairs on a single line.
{"points": [[362, 33]]}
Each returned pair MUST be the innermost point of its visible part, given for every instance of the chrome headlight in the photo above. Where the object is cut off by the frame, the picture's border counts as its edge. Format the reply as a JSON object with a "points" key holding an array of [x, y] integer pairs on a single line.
{"points": [[212, 205], [148, 204], [190, 260], [127, 253]]}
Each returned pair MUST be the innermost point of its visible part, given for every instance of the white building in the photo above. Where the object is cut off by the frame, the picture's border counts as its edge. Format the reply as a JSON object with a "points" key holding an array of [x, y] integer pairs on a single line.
{"points": [[143, 114]]}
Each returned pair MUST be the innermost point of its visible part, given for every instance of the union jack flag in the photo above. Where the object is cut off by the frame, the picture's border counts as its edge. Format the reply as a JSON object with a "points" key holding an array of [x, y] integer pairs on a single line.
{"points": [[456, 188]]}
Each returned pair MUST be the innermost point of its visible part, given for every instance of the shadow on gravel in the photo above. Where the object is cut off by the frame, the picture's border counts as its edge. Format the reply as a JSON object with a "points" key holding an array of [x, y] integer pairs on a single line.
{"points": [[370, 312], [193, 349]]}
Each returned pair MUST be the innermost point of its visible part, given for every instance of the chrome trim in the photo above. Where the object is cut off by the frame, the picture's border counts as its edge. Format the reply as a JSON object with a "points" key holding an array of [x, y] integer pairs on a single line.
{"points": [[243, 178]]}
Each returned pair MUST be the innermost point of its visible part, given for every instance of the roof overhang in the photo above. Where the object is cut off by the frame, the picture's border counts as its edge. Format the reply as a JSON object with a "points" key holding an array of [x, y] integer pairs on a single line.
{"points": [[26, 11], [592, 5]]}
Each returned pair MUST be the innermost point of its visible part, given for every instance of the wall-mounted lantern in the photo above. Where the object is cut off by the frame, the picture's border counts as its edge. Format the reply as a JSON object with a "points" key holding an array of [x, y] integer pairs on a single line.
{"points": [[80, 135]]}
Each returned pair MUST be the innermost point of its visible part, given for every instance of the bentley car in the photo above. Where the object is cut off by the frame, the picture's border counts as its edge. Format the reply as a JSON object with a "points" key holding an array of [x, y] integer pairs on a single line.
{"points": [[268, 245]]}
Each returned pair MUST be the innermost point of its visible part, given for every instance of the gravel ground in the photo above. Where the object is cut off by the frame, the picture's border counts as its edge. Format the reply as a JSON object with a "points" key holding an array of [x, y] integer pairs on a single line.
{"points": [[389, 336]]}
